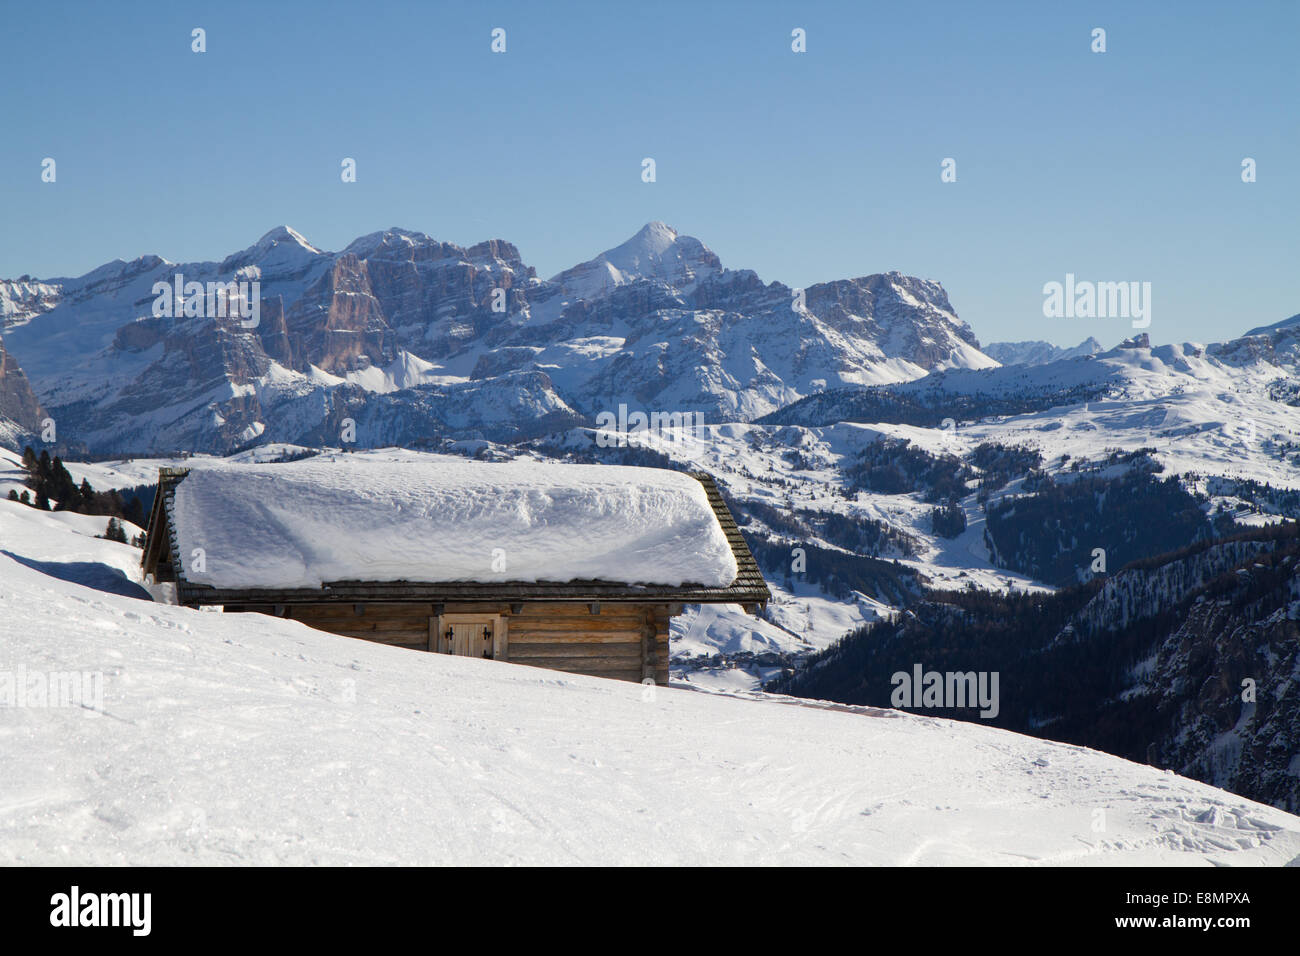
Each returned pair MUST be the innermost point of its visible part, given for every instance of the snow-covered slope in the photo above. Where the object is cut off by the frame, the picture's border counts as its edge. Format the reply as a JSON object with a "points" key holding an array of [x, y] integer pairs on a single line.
{"points": [[1229, 408], [61, 537], [246, 739], [1184, 661], [1292, 323], [124, 473]]}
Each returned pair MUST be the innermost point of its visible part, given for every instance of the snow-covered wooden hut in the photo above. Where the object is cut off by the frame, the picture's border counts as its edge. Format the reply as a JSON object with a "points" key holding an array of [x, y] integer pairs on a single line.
{"points": [[574, 567]]}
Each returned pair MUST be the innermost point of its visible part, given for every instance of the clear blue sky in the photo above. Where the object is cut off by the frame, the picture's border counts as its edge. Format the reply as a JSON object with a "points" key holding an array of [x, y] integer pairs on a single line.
{"points": [[804, 167]]}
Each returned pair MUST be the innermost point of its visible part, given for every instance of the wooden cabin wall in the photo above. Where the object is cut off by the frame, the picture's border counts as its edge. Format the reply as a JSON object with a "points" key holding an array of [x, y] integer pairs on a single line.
{"points": [[568, 637], [623, 641], [402, 625]]}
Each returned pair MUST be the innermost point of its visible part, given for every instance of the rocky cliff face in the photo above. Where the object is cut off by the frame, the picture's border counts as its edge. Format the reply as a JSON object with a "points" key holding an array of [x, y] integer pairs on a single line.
{"points": [[20, 412], [23, 298], [399, 327], [1214, 639], [1202, 674]]}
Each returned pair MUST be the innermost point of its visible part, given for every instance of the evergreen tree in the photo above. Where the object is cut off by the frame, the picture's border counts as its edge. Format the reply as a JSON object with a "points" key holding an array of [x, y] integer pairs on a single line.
{"points": [[948, 520], [63, 488], [88, 500], [135, 512]]}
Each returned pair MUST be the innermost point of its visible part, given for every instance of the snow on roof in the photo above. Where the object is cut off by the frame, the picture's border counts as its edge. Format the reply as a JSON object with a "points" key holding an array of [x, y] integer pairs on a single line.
{"points": [[303, 523]]}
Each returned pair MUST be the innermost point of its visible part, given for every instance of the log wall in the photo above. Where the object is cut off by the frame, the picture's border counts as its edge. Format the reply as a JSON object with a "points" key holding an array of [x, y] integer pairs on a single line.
{"points": [[622, 641]]}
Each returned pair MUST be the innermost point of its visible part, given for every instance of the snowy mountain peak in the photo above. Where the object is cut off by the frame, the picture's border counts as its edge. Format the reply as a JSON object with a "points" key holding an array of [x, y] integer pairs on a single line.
{"points": [[282, 250], [281, 234], [654, 237], [657, 251], [394, 237]]}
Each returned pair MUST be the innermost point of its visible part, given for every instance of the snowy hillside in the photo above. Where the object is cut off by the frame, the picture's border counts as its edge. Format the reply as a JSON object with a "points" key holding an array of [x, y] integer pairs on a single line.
{"points": [[1223, 409], [245, 739]]}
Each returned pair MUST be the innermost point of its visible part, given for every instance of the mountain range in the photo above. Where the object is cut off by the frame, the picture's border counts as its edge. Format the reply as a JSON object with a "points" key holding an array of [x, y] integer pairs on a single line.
{"points": [[1040, 353], [413, 339]]}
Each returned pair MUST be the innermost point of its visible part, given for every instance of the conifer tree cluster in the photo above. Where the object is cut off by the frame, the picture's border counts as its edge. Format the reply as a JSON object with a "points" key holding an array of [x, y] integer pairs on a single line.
{"points": [[52, 488], [948, 520]]}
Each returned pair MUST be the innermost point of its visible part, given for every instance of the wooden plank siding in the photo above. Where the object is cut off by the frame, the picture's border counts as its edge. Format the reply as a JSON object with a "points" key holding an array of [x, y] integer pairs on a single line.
{"points": [[402, 625], [568, 637], [622, 641]]}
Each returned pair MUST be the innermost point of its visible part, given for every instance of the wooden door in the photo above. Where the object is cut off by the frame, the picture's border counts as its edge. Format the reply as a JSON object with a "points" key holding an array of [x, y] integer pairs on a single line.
{"points": [[468, 635]]}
